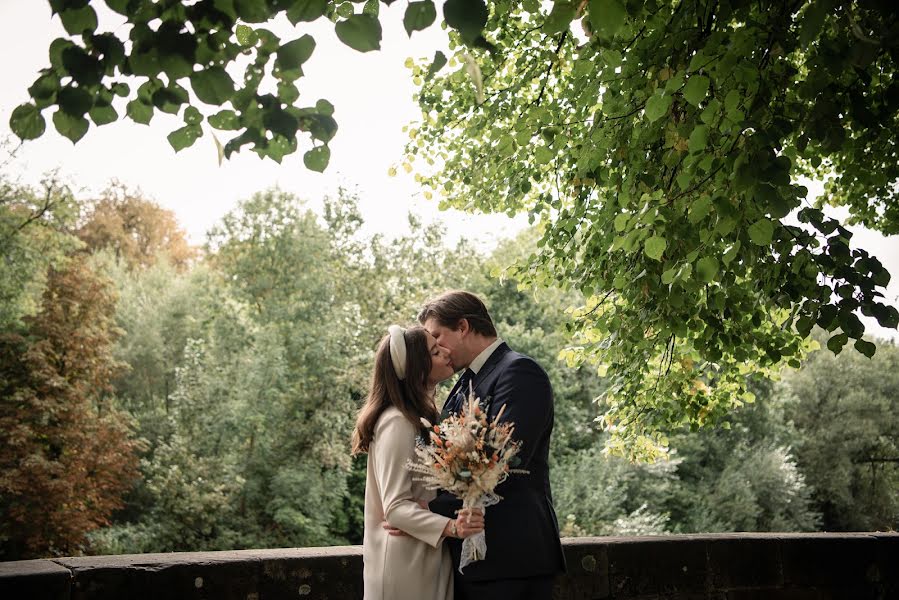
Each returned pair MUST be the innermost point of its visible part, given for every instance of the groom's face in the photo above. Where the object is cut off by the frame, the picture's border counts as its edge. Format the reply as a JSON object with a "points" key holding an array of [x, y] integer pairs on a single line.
{"points": [[449, 338]]}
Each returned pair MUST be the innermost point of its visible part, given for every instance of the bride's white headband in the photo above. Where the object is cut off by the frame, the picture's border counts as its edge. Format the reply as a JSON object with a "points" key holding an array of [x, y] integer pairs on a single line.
{"points": [[398, 350]]}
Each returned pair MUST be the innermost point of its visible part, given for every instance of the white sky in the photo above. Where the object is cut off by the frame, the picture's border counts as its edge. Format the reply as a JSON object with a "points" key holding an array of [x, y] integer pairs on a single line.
{"points": [[372, 95], [371, 92]]}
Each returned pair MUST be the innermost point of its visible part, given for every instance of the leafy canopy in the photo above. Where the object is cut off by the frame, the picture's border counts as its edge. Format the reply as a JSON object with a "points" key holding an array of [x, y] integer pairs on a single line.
{"points": [[169, 49], [661, 145]]}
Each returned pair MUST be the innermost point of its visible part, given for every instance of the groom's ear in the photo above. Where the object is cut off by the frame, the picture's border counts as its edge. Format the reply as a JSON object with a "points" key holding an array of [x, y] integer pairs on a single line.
{"points": [[463, 326]]}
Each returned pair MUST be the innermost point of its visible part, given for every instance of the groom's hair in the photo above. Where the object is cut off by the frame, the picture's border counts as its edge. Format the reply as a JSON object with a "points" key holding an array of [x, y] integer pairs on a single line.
{"points": [[450, 307]]}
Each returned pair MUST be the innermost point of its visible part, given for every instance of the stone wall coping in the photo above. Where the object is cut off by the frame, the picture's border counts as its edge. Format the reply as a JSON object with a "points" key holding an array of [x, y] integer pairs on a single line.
{"points": [[64, 564], [727, 566]]}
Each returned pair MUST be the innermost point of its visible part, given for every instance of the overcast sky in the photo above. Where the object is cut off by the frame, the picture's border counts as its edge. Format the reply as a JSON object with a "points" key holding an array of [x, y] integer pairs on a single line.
{"points": [[372, 94]]}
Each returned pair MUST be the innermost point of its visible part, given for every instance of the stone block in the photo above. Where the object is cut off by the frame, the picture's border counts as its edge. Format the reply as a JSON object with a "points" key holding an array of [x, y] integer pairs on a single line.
{"points": [[822, 561], [588, 571], [663, 565], [745, 562], [313, 573], [34, 579]]}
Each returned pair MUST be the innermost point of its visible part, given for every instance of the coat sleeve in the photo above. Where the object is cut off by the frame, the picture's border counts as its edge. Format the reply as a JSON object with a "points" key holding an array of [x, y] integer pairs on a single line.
{"points": [[393, 447], [525, 391]]}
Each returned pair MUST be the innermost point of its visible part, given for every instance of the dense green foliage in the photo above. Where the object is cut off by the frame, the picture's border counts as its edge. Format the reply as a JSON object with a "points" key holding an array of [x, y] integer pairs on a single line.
{"points": [[234, 379], [660, 144]]}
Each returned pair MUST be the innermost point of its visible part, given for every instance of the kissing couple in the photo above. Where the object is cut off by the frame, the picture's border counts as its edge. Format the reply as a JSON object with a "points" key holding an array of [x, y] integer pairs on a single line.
{"points": [[413, 536]]}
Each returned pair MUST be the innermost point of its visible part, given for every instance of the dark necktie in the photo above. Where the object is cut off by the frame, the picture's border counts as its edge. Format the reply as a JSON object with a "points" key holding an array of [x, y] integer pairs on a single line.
{"points": [[458, 400]]}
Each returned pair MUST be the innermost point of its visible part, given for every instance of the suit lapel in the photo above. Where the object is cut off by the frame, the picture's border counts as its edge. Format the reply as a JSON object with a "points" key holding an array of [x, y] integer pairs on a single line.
{"points": [[491, 363], [448, 405], [483, 375]]}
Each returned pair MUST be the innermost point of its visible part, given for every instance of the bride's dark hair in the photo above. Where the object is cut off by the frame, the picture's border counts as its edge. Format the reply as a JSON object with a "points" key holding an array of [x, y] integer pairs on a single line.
{"points": [[409, 395]]}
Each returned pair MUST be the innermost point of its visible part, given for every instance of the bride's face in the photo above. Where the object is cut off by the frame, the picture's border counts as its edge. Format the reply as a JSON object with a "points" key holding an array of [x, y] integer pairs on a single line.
{"points": [[441, 366]]}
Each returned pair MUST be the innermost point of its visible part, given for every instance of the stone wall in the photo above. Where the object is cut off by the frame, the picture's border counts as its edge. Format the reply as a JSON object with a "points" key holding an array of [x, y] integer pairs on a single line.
{"points": [[856, 566]]}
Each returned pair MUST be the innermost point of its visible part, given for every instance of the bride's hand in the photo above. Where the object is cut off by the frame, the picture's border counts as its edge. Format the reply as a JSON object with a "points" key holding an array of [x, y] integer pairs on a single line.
{"points": [[469, 522]]}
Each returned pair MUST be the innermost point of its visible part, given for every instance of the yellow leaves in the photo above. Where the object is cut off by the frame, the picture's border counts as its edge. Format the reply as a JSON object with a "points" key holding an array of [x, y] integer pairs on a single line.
{"points": [[698, 386], [665, 74], [391, 172], [407, 167], [585, 182]]}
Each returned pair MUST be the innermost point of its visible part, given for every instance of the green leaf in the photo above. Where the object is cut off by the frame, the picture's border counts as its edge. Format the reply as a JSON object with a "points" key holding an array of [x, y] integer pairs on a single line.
{"points": [[322, 127], [707, 269], [83, 68], [45, 88], [252, 11], [119, 6], [317, 159], [184, 137], [700, 209], [731, 253], [560, 17], [139, 112], [804, 325], [468, 17], [246, 36], [78, 20], [26, 122], [835, 343], [225, 119], [607, 16], [812, 22], [360, 32], [70, 126], [192, 116], [419, 15], [761, 232], [657, 106], [212, 86], [437, 64], [324, 107], [654, 247], [169, 99], [542, 155], [866, 348], [621, 221], [696, 89], [887, 316], [103, 115], [698, 139], [669, 276], [306, 10], [293, 54], [75, 101], [57, 47], [732, 100]]}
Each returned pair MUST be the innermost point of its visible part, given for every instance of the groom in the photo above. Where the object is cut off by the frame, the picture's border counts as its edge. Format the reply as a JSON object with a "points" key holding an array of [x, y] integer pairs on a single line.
{"points": [[523, 549]]}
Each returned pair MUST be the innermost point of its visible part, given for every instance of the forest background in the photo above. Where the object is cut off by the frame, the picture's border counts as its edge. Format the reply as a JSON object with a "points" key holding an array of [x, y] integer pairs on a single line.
{"points": [[695, 172], [165, 397]]}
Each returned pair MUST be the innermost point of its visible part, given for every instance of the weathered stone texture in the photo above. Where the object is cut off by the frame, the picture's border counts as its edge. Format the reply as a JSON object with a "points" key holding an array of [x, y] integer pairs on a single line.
{"points": [[859, 566]]}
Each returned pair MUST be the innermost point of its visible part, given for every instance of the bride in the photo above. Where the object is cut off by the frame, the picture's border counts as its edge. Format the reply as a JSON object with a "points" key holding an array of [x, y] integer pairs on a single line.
{"points": [[403, 552]]}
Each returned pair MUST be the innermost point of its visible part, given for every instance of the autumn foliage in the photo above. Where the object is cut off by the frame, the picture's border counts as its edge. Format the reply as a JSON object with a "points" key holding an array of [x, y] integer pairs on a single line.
{"points": [[136, 229], [66, 455]]}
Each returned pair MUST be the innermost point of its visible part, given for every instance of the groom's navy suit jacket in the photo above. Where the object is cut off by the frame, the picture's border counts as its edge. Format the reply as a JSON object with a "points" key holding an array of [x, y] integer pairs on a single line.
{"points": [[522, 530]]}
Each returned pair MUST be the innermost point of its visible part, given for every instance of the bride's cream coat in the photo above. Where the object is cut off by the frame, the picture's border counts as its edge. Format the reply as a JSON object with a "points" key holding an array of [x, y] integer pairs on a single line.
{"points": [[416, 566]]}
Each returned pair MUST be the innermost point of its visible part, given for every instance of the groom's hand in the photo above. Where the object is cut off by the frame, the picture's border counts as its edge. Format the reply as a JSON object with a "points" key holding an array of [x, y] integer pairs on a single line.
{"points": [[392, 530], [399, 532]]}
